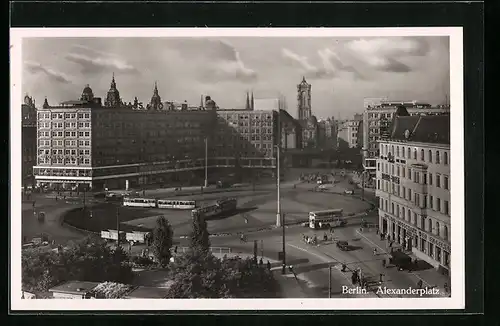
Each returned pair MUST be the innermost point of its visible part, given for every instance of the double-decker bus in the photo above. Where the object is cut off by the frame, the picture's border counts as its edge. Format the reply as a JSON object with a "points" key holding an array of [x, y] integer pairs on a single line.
{"points": [[139, 202], [176, 204], [326, 218], [221, 206]]}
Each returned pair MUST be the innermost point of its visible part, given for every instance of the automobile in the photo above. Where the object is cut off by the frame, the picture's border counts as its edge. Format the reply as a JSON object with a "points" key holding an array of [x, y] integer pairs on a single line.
{"points": [[348, 192], [322, 187], [342, 245]]}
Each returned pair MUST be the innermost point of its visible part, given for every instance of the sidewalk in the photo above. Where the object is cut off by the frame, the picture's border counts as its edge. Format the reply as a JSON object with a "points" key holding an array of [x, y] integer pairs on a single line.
{"points": [[429, 277]]}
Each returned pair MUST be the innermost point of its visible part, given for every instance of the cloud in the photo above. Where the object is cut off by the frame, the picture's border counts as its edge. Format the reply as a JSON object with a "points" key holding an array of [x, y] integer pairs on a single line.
{"points": [[329, 67], [389, 54], [36, 68], [99, 63], [218, 60]]}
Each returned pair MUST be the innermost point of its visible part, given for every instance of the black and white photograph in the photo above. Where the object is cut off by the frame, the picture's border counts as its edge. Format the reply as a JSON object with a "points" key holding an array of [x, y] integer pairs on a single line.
{"points": [[321, 166]]}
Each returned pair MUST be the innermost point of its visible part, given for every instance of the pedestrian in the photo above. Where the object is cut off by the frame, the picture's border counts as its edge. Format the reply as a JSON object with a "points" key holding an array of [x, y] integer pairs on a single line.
{"points": [[374, 251], [419, 284], [390, 244], [383, 263], [381, 278], [388, 238], [343, 267], [268, 265], [261, 262], [56, 197], [377, 231], [325, 237]]}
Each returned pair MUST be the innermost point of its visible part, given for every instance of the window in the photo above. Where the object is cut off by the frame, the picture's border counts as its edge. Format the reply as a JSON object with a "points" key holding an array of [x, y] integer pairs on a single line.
{"points": [[378, 184], [438, 204], [431, 202], [409, 152], [403, 172], [409, 174], [422, 158], [424, 202], [397, 170], [417, 199], [415, 154], [378, 166], [437, 157], [429, 225], [422, 222], [430, 179], [445, 232], [404, 192], [445, 158], [447, 207], [438, 180], [430, 156], [438, 230], [392, 208], [409, 194], [425, 178], [403, 152], [417, 177], [397, 151], [445, 183], [392, 169], [403, 211]]}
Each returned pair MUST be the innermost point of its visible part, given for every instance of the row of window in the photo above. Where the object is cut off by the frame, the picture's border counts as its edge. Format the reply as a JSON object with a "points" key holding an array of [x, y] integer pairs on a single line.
{"points": [[61, 160], [401, 152], [246, 117], [65, 151], [419, 200], [422, 222], [440, 181], [47, 115], [60, 125]]}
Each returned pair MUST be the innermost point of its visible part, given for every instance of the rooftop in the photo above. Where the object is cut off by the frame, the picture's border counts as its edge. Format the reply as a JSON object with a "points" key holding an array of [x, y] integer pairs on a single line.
{"points": [[74, 287], [423, 129]]}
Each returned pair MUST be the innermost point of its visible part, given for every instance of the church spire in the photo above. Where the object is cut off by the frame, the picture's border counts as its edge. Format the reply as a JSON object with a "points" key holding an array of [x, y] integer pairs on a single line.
{"points": [[252, 102], [113, 97], [45, 103]]}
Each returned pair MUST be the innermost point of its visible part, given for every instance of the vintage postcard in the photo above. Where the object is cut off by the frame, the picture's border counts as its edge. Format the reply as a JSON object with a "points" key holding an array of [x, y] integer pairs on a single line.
{"points": [[150, 166]]}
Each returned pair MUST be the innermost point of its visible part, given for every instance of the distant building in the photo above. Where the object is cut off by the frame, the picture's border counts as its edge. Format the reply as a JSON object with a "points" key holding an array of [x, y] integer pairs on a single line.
{"points": [[377, 117], [29, 140], [308, 122], [413, 186], [348, 133], [327, 133]]}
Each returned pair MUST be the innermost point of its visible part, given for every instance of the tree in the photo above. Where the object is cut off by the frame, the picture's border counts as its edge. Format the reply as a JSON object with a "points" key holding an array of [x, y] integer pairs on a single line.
{"points": [[197, 274], [90, 259], [162, 241], [199, 235]]}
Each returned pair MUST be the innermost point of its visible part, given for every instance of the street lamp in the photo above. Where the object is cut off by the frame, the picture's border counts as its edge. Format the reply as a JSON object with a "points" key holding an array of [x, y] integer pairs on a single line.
{"points": [[206, 162]]}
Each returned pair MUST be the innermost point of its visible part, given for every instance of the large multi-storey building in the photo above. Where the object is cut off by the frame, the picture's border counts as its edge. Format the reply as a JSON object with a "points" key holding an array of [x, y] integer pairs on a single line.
{"points": [[117, 145], [377, 117], [413, 186], [28, 140]]}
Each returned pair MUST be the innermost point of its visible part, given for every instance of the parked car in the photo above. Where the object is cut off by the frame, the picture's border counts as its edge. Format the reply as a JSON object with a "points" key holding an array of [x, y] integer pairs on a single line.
{"points": [[348, 192], [342, 245]]}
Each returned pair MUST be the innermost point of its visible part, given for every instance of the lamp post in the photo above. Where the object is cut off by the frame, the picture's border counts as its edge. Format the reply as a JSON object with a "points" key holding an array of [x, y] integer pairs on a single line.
{"points": [[118, 227], [329, 281], [206, 162]]}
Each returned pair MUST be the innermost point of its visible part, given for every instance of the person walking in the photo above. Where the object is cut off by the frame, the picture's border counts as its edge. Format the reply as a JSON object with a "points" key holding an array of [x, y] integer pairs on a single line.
{"points": [[419, 284], [374, 251], [325, 237], [383, 263], [261, 262], [268, 265], [381, 278]]}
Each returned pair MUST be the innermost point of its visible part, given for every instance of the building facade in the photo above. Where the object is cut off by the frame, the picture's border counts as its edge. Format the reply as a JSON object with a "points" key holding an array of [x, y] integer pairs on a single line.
{"points": [[84, 144], [348, 134], [413, 187], [28, 135], [377, 118]]}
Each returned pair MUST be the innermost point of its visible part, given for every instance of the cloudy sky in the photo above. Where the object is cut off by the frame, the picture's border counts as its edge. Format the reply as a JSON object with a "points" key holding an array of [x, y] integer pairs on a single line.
{"points": [[342, 71]]}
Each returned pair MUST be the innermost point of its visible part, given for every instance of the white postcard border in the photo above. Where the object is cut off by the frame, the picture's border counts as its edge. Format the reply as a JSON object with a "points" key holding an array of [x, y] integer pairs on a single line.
{"points": [[457, 299]]}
